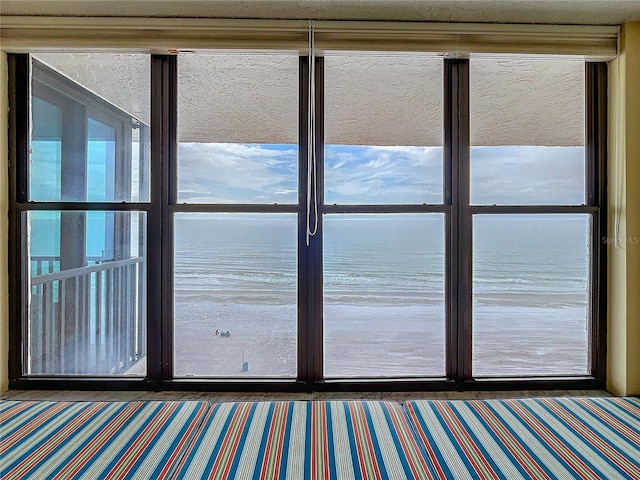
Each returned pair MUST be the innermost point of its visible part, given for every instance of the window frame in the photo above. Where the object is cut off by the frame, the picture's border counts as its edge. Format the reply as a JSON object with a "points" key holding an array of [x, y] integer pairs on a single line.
{"points": [[445, 208], [594, 205], [173, 206], [456, 207], [54, 88]]}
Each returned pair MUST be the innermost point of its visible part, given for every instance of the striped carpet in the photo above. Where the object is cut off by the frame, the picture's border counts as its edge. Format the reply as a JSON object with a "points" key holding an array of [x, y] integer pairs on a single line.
{"points": [[305, 440], [547, 438], [95, 440]]}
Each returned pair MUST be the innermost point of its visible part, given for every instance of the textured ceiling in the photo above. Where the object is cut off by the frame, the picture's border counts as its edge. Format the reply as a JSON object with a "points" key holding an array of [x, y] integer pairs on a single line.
{"points": [[540, 105], [370, 99], [587, 12]]}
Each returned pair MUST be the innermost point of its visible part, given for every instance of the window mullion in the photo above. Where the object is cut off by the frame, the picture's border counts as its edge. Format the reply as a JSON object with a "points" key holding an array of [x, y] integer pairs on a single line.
{"points": [[160, 227], [596, 178], [310, 270], [316, 241], [303, 318], [457, 188], [465, 226], [451, 227], [19, 87]]}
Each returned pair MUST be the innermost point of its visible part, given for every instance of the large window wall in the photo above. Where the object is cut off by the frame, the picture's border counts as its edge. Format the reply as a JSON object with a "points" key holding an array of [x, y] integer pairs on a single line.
{"points": [[419, 223]]}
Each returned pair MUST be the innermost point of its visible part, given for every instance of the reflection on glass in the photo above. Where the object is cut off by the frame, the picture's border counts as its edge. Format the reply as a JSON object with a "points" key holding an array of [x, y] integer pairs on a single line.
{"points": [[46, 151], [237, 128], [383, 129], [527, 131], [87, 302], [530, 295], [235, 295], [101, 161], [384, 312], [83, 147]]}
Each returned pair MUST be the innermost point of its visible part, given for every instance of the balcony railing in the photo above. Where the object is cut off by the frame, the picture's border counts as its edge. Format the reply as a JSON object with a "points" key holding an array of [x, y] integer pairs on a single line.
{"points": [[88, 320]]}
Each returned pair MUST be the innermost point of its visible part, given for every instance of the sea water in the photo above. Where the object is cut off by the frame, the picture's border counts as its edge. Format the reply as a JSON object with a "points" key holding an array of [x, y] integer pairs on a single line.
{"points": [[384, 294]]}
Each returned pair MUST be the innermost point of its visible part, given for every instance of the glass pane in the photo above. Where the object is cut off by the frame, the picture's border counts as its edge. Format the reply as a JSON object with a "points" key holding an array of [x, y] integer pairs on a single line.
{"points": [[383, 129], [527, 131], [235, 295], [384, 312], [87, 293], [530, 295], [89, 139], [238, 128]]}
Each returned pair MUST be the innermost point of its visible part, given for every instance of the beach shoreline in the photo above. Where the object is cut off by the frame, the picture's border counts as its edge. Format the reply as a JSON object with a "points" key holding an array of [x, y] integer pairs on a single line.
{"points": [[376, 339]]}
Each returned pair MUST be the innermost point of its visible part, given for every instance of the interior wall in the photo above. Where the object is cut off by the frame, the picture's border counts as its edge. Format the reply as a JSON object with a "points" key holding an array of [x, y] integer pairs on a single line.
{"points": [[4, 225], [623, 347]]}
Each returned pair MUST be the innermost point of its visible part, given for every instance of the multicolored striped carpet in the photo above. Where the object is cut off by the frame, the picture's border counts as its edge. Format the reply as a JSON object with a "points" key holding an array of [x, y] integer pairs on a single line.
{"points": [[585, 438], [95, 440], [305, 440]]}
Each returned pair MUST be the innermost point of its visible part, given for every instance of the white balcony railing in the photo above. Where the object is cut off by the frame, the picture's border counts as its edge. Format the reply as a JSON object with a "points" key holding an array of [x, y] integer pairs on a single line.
{"points": [[88, 320]]}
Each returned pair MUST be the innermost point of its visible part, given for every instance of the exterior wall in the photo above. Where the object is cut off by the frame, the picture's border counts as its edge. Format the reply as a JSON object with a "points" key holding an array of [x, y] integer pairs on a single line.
{"points": [[623, 361]]}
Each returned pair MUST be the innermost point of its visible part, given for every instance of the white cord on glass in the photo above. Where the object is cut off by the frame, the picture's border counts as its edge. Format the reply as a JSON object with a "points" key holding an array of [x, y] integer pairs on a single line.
{"points": [[311, 141], [620, 164]]}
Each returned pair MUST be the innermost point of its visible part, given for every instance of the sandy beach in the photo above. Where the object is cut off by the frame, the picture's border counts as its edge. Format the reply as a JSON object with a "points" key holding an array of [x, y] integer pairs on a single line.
{"points": [[519, 335]]}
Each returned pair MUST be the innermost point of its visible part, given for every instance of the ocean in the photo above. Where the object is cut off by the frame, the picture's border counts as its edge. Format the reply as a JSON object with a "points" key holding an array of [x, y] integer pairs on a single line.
{"points": [[384, 304]]}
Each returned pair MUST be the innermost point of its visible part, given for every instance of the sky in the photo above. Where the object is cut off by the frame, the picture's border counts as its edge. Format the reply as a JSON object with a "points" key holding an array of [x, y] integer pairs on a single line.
{"points": [[253, 173]]}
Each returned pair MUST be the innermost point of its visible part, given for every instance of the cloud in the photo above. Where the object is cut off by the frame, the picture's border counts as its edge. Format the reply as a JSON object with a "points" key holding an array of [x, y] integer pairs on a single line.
{"points": [[370, 174], [251, 173], [527, 175], [237, 173]]}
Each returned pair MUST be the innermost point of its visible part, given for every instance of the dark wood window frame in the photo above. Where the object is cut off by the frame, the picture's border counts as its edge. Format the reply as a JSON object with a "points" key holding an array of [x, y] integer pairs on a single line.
{"points": [[458, 239]]}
